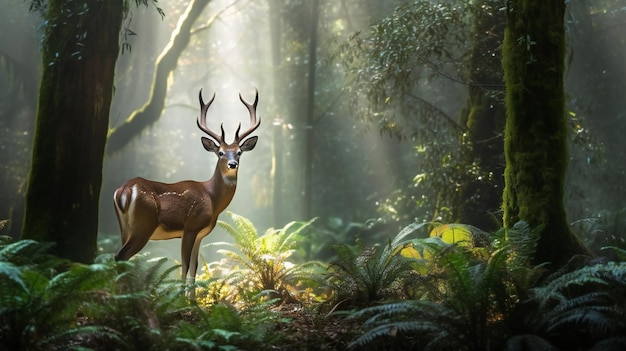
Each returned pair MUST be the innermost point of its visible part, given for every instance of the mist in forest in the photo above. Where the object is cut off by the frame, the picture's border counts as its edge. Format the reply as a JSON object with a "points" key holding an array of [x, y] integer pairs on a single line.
{"points": [[234, 55], [317, 156]]}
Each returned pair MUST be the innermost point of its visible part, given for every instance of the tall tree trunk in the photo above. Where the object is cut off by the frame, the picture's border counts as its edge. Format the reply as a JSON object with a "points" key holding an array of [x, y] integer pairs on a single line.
{"points": [[536, 131], [290, 33], [80, 49], [481, 196]]}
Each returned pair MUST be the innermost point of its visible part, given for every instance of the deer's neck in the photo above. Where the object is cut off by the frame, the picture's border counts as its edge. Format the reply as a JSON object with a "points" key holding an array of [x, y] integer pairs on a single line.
{"points": [[221, 189]]}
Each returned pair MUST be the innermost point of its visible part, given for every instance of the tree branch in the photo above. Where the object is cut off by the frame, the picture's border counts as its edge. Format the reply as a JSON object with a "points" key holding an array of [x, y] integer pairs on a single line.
{"points": [[120, 136]]}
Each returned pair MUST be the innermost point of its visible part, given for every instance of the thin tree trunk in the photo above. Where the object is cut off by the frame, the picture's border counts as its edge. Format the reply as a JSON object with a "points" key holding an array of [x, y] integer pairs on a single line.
{"points": [[277, 135], [310, 111], [481, 198]]}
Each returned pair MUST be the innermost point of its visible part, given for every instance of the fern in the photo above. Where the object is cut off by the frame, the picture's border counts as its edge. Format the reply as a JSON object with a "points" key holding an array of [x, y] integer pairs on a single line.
{"points": [[469, 292], [27, 252], [607, 228], [140, 302], [38, 311], [611, 343], [599, 274], [522, 240], [368, 276], [10, 282], [430, 325], [134, 304], [361, 276], [222, 326], [619, 253], [582, 306], [260, 264], [526, 342]]}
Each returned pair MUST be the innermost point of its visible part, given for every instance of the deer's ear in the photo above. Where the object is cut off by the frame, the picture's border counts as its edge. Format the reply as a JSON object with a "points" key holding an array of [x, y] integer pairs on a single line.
{"points": [[210, 145], [249, 144]]}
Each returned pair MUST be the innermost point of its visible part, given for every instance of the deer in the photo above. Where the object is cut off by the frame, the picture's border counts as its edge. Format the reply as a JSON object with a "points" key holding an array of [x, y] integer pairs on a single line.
{"points": [[149, 210]]}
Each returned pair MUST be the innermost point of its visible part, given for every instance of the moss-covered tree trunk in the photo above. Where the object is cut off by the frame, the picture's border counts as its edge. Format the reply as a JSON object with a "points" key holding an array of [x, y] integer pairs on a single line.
{"points": [[80, 49], [535, 133]]}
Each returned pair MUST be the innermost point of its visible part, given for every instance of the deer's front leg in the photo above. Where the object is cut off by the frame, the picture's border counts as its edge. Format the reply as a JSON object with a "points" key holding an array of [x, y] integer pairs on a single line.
{"points": [[193, 262], [186, 247]]}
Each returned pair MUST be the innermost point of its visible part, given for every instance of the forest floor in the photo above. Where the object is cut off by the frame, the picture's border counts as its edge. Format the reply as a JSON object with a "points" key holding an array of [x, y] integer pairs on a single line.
{"points": [[304, 329]]}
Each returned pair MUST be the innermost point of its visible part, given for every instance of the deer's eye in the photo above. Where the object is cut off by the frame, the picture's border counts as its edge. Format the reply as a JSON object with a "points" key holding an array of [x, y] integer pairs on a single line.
{"points": [[239, 153], [220, 153]]}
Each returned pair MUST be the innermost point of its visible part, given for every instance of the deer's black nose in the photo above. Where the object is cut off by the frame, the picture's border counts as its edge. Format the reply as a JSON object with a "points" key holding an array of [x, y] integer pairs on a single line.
{"points": [[232, 164]]}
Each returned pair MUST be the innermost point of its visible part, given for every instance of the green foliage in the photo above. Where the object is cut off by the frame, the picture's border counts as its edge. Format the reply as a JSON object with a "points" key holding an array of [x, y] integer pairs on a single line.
{"points": [[48, 303], [140, 303], [319, 242], [607, 228], [462, 297], [418, 41], [428, 325], [219, 327], [426, 44], [533, 342], [581, 307], [146, 309], [362, 276], [259, 264], [522, 240], [39, 306], [79, 11], [40, 5], [468, 293], [27, 253]]}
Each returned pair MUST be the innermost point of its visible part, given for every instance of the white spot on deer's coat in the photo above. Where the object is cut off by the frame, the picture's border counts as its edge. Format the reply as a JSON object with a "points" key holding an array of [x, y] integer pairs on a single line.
{"points": [[131, 206]]}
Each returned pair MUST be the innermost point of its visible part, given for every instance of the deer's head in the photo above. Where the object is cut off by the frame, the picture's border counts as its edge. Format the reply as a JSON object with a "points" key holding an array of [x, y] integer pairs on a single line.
{"points": [[228, 154]]}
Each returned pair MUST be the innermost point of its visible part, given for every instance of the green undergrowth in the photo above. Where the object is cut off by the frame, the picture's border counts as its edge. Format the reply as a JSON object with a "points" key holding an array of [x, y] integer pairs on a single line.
{"points": [[468, 291]]}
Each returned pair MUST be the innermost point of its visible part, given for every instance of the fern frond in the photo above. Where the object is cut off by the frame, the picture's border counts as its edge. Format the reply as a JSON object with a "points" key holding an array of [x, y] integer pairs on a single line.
{"points": [[25, 251], [594, 298], [243, 232], [406, 231], [523, 241], [288, 234], [526, 342], [618, 251], [460, 274], [595, 320], [10, 278], [584, 303], [600, 274], [433, 325], [419, 327], [611, 343], [94, 333], [80, 278]]}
